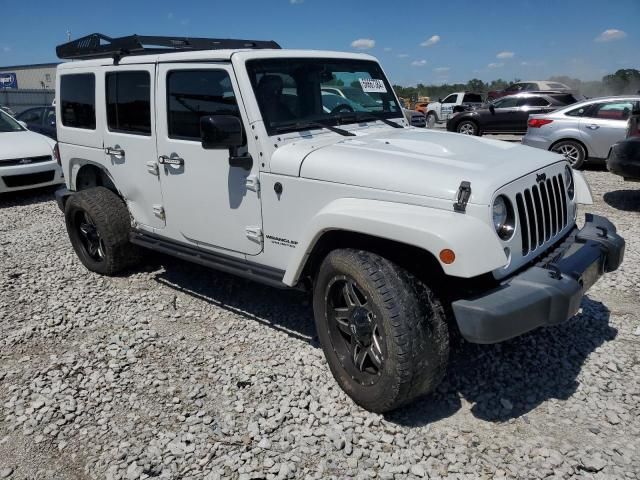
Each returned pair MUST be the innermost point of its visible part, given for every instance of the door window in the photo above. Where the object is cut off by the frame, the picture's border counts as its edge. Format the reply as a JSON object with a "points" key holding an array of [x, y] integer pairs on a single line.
{"points": [[533, 102], [128, 95], [618, 110], [78, 100], [33, 115], [471, 98], [506, 102], [451, 98], [196, 93]]}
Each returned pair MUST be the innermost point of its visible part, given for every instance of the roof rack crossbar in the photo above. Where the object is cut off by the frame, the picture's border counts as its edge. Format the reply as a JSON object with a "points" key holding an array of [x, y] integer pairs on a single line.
{"points": [[98, 45]]}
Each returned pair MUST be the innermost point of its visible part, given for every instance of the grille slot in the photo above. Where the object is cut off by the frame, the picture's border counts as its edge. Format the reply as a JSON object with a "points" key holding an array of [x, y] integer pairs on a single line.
{"points": [[542, 212]]}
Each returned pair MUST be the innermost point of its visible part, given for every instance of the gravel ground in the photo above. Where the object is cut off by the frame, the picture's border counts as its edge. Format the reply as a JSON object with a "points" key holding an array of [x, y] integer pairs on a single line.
{"points": [[178, 372]]}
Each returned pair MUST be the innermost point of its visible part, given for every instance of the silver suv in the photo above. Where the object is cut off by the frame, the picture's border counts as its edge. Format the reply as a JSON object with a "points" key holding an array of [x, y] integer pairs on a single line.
{"points": [[584, 131]]}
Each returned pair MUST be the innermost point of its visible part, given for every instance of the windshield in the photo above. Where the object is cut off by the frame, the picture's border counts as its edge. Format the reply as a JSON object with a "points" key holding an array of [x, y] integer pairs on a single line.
{"points": [[294, 92], [8, 124]]}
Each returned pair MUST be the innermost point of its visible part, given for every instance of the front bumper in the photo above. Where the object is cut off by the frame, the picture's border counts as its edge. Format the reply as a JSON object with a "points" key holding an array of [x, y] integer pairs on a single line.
{"points": [[546, 294], [24, 177]]}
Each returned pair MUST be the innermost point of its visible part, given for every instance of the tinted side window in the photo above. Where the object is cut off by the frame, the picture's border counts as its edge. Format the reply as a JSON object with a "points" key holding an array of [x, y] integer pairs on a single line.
{"points": [[33, 115], [533, 102], [472, 98], [78, 100], [128, 97], [506, 102], [451, 98], [193, 94]]}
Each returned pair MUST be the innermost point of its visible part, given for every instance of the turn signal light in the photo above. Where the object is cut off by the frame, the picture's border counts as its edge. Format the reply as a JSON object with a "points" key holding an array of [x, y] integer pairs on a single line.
{"points": [[447, 256], [538, 122]]}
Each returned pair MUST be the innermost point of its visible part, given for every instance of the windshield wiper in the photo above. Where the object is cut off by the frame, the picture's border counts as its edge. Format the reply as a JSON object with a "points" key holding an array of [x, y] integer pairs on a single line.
{"points": [[367, 117], [303, 125]]}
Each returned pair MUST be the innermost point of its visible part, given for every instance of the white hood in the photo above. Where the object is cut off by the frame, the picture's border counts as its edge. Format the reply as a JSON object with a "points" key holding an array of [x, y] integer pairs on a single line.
{"points": [[24, 144], [413, 161]]}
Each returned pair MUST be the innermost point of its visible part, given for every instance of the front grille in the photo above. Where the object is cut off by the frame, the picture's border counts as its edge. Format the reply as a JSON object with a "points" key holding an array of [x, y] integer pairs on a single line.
{"points": [[25, 160], [12, 181], [542, 212]]}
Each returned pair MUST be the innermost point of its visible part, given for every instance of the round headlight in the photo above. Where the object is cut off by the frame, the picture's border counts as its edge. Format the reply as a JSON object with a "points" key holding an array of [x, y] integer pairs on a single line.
{"points": [[503, 217], [568, 182]]}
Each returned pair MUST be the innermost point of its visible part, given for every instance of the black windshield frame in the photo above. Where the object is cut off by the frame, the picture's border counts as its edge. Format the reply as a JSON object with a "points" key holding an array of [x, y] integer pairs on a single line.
{"points": [[310, 77]]}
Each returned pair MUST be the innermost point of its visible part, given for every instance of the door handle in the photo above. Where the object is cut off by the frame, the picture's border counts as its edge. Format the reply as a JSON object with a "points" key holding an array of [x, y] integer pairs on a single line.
{"points": [[114, 152], [165, 160], [593, 126]]}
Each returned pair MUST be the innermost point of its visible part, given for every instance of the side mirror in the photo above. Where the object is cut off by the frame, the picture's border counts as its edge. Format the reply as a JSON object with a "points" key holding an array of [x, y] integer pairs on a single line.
{"points": [[220, 131], [492, 108], [439, 100], [22, 123]]}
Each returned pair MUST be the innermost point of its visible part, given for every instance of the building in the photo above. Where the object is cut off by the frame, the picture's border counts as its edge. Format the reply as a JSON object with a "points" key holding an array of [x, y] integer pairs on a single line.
{"points": [[28, 77]]}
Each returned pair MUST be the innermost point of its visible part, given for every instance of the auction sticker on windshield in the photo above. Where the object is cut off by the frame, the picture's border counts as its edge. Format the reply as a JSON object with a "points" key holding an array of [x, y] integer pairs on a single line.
{"points": [[370, 85]]}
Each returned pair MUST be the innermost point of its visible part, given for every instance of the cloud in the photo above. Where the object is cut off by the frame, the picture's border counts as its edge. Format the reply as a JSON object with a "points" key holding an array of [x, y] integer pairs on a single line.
{"points": [[610, 35], [441, 70], [418, 63], [495, 65], [363, 43], [296, 2], [403, 55], [430, 42], [505, 54], [6, 49], [387, 49]]}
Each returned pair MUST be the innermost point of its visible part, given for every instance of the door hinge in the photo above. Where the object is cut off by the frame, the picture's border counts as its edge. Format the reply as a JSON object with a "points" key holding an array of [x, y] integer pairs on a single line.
{"points": [[152, 168], [253, 183], [158, 211], [254, 234]]}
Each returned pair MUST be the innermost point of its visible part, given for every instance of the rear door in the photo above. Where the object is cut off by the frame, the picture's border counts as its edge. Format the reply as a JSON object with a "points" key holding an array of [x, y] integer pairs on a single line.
{"points": [[528, 106], [130, 139], [604, 124], [208, 202]]}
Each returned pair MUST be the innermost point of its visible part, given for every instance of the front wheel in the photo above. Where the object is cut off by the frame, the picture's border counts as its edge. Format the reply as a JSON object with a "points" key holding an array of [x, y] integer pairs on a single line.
{"points": [[383, 332], [467, 127], [573, 151]]}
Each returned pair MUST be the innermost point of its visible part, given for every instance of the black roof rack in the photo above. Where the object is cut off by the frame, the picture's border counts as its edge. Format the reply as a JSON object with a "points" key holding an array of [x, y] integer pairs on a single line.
{"points": [[98, 45]]}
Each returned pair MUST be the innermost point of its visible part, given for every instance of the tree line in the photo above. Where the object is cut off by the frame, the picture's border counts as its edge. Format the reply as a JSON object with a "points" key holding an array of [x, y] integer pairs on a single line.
{"points": [[624, 81]]}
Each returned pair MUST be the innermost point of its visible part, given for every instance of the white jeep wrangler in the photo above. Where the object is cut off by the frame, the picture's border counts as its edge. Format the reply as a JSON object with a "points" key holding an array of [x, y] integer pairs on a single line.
{"points": [[222, 152]]}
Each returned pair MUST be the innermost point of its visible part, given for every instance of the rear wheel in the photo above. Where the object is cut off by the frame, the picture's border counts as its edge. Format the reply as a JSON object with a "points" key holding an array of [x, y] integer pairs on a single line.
{"points": [[98, 225], [383, 332], [468, 127], [573, 151]]}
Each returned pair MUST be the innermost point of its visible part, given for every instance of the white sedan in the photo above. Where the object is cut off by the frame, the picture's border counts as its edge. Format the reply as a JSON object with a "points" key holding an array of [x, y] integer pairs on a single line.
{"points": [[27, 159]]}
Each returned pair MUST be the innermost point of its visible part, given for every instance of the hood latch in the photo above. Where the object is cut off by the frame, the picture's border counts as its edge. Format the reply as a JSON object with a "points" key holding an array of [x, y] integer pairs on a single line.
{"points": [[464, 193]]}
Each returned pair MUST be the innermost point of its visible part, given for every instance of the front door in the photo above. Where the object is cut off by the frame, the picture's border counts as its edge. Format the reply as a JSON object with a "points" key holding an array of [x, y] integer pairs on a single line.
{"points": [[605, 124], [505, 112], [130, 140], [207, 202]]}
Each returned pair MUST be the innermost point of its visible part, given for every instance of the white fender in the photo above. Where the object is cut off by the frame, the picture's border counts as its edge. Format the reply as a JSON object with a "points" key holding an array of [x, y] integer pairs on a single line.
{"points": [[476, 246], [583, 190]]}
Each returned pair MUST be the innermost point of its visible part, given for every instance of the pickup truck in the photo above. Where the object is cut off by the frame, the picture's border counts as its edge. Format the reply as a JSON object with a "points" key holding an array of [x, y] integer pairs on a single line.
{"points": [[442, 110]]}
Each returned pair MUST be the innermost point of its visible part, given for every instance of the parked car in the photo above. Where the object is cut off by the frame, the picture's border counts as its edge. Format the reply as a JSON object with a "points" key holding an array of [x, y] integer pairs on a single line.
{"points": [[356, 95], [506, 115], [585, 131], [528, 86], [422, 107], [27, 159], [400, 233], [40, 119], [624, 157], [415, 119], [441, 111]]}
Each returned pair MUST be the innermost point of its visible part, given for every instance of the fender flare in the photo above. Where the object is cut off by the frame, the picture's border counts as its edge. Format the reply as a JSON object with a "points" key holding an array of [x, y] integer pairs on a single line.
{"points": [[583, 190], [76, 164], [430, 229]]}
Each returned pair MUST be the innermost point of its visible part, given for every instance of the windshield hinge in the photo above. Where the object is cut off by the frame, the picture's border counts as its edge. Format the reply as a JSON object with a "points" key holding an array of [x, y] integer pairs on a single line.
{"points": [[254, 234], [253, 183], [464, 193], [158, 211], [152, 168]]}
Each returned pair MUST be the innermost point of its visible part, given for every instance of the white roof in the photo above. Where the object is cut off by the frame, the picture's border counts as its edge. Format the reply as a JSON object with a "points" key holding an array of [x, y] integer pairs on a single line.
{"points": [[214, 56]]}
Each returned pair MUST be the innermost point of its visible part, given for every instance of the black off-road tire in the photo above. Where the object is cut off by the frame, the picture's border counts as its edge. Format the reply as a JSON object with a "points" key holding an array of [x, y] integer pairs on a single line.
{"points": [[112, 223], [413, 329]]}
